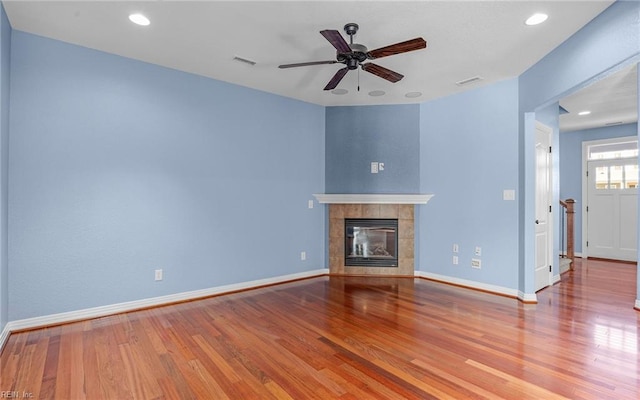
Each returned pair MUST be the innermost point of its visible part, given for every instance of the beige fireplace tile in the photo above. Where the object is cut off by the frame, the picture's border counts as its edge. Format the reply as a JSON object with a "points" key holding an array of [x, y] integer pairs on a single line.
{"points": [[353, 210], [336, 248], [336, 211], [370, 211], [406, 265], [405, 248], [406, 211], [336, 228], [406, 229], [336, 265], [389, 210]]}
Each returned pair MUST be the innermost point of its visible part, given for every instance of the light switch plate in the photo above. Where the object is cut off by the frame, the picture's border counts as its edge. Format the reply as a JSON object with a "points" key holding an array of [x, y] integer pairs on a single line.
{"points": [[509, 194]]}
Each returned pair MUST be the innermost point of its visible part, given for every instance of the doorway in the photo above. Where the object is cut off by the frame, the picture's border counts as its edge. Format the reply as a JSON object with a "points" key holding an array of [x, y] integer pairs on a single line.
{"points": [[611, 191], [543, 222]]}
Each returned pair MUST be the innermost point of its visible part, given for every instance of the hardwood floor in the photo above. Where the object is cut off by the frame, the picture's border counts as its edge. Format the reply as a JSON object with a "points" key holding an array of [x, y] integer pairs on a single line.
{"points": [[350, 338]]}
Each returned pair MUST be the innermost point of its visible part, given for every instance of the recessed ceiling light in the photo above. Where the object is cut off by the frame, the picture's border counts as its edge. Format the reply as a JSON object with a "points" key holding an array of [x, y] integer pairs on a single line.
{"points": [[413, 95], [339, 91], [139, 19], [375, 93], [584, 113], [536, 19]]}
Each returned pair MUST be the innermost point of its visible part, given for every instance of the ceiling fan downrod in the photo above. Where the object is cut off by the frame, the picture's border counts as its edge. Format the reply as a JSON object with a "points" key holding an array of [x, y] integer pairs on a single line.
{"points": [[351, 29]]}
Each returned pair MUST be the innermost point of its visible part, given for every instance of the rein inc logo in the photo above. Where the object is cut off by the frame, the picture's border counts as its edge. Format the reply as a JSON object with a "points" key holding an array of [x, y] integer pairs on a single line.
{"points": [[15, 394]]}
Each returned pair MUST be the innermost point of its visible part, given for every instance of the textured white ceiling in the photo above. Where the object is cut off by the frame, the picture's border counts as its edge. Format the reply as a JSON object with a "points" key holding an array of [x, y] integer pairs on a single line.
{"points": [[464, 39], [612, 101]]}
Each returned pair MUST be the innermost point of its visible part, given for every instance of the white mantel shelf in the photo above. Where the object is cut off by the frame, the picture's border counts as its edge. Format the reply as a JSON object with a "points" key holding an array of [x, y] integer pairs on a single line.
{"points": [[373, 198]]}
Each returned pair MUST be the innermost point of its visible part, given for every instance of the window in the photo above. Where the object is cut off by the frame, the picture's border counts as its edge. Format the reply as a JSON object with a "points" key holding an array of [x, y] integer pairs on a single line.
{"points": [[615, 164], [611, 151], [624, 176]]}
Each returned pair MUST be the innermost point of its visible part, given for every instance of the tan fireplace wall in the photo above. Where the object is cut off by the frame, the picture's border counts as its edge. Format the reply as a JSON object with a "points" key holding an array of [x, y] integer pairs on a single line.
{"points": [[406, 237]]}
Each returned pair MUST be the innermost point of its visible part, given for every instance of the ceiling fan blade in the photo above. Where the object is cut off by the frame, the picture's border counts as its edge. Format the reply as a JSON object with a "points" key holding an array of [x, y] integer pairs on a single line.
{"points": [[306, 64], [335, 38], [402, 47], [336, 78], [382, 72]]}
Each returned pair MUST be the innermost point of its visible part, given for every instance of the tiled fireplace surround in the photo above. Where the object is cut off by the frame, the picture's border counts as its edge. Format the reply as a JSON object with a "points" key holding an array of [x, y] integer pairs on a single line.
{"points": [[406, 237]]}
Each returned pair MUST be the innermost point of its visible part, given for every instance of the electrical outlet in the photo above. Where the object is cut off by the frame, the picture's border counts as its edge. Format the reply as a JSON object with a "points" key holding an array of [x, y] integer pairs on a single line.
{"points": [[455, 260], [303, 255], [310, 204], [476, 263], [455, 248], [158, 275], [374, 167], [478, 251]]}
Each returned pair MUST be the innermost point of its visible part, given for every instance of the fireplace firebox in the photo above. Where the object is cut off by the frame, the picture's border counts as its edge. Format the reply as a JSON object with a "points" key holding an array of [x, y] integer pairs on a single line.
{"points": [[371, 242]]}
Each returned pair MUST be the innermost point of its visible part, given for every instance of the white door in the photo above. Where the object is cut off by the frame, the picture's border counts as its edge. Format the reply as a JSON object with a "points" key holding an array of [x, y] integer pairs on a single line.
{"points": [[612, 209], [543, 224]]}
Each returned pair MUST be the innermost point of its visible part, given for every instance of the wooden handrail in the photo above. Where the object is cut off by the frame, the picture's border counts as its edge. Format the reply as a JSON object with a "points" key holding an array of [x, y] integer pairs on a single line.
{"points": [[568, 205]]}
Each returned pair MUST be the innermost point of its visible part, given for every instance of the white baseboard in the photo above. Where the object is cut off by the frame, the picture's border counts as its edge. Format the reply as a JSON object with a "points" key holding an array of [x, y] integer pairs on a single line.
{"points": [[500, 290], [637, 307], [556, 279], [530, 298], [96, 312], [4, 335]]}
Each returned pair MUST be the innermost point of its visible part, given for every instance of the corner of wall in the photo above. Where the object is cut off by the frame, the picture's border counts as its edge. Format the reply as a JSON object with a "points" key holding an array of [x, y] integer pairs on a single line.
{"points": [[5, 51]]}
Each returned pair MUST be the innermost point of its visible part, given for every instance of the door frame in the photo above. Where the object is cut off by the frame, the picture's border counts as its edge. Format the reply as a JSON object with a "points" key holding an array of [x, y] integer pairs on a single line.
{"points": [[585, 183]]}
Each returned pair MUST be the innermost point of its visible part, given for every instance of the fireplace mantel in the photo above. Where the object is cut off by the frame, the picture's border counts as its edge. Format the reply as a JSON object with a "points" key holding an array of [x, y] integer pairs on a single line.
{"points": [[382, 198]]}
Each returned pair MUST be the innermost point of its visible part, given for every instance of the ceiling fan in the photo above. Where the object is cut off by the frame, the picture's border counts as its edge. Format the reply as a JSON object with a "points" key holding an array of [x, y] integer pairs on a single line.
{"points": [[353, 55]]}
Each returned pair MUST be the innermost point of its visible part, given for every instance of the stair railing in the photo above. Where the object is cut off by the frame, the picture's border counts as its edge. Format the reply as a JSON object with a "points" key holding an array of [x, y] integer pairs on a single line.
{"points": [[568, 222]]}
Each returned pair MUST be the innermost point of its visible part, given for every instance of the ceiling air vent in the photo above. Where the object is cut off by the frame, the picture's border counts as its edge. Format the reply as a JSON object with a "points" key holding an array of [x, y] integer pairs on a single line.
{"points": [[469, 81], [244, 60]]}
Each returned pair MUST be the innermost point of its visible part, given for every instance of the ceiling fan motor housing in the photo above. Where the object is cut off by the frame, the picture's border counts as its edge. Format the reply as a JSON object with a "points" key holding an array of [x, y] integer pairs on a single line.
{"points": [[357, 55]]}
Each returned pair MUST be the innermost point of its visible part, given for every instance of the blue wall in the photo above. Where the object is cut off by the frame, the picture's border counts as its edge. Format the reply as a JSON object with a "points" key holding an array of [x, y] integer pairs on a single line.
{"points": [[5, 49], [606, 44], [358, 136], [469, 155], [571, 165], [118, 167]]}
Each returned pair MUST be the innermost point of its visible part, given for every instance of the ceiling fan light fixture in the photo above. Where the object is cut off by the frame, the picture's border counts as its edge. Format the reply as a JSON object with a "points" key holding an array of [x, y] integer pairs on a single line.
{"points": [[536, 19], [139, 19]]}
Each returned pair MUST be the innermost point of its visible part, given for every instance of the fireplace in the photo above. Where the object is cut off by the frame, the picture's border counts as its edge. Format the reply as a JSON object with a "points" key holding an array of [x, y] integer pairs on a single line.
{"points": [[371, 242], [339, 245], [399, 207]]}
